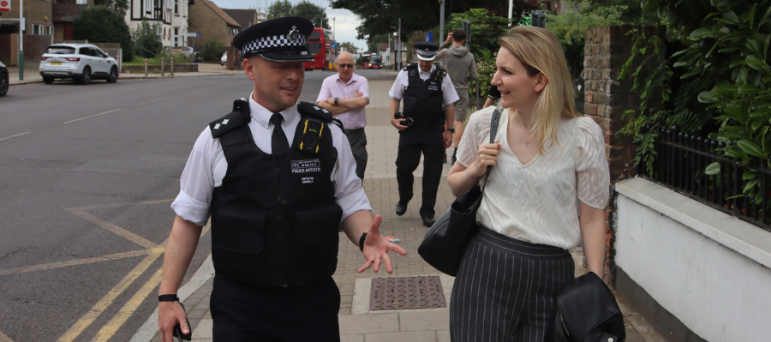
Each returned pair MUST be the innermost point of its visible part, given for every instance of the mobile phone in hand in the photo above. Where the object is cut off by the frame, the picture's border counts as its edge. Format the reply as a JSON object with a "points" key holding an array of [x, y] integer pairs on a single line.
{"points": [[178, 329]]}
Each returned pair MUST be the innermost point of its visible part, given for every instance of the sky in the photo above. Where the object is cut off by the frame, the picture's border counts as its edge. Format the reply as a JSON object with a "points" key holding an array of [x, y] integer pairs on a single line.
{"points": [[345, 21]]}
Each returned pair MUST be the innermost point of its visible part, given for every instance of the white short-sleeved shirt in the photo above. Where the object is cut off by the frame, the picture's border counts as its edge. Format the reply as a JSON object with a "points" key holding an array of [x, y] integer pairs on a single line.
{"points": [[449, 94], [207, 165], [536, 202]]}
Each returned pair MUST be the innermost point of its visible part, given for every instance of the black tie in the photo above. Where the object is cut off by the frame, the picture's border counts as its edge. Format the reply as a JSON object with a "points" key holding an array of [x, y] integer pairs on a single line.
{"points": [[279, 145]]}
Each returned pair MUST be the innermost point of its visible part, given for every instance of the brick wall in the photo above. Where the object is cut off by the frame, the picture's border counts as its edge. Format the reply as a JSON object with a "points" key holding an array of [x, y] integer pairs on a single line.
{"points": [[606, 99], [210, 25]]}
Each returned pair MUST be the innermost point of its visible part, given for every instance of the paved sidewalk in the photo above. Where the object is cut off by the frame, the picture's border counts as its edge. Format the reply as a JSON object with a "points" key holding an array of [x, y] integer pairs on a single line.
{"points": [[357, 323], [31, 74]]}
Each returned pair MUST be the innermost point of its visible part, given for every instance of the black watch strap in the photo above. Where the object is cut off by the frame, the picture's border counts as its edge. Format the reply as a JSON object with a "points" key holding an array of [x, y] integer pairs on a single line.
{"points": [[361, 241], [168, 298]]}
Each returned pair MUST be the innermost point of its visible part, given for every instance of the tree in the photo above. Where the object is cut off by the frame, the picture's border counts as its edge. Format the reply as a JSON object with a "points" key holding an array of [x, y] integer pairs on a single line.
{"points": [[100, 24], [316, 14], [120, 6], [570, 25], [348, 46], [280, 8], [147, 39], [373, 41], [381, 16]]}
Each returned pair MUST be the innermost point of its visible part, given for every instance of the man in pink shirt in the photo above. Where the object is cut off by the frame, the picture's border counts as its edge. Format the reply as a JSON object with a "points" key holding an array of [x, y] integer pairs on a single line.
{"points": [[345, 95]]}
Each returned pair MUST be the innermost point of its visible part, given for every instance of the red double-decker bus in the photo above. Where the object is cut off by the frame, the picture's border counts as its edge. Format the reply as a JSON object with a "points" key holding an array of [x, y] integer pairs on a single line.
{"points": [[320, 46], [371, 61]]}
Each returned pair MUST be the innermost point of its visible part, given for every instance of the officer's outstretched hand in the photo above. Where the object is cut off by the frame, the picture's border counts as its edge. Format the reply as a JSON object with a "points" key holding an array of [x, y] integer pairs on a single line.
{"points": [[169, 315], [376, 248]]}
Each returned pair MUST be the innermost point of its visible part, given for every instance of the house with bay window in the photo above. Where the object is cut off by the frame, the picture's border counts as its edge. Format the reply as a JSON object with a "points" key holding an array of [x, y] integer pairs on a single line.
{"points": [[172, 15]]}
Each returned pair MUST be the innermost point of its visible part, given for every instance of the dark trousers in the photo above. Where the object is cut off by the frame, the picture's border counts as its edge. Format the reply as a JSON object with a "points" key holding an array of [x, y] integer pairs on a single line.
{"points": [[358, 141], [413, 141], [505, 289], [245, 313]]}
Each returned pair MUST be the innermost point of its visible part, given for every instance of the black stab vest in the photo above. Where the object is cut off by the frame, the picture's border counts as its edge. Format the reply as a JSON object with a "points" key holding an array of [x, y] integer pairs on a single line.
{"points": [[274, 220], [423, 100]]}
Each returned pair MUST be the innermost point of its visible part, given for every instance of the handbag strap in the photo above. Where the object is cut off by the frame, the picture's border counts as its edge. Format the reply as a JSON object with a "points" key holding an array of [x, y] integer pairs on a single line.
{"points": [[493, 131]]}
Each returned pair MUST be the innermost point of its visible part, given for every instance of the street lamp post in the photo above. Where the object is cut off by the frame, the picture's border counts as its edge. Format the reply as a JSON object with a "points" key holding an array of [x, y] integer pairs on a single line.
{"points": [[22, 25], [334, 32]]}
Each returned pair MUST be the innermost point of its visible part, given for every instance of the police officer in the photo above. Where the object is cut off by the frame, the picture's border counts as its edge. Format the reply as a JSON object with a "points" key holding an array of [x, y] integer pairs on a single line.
{"points": [[278, 179], [424, 126]]}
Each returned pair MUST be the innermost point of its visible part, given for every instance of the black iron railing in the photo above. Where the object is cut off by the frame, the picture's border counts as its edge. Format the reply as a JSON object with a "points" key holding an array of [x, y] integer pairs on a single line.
{"points": [[680, 165]]}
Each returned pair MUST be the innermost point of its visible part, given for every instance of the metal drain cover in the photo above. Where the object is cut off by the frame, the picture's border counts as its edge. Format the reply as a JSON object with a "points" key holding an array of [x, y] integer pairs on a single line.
{"points": [[397, 293]]}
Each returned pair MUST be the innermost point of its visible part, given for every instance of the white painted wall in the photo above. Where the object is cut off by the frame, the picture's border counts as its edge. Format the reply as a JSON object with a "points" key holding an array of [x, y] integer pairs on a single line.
{"points": [[177, 21], [707, 268]]}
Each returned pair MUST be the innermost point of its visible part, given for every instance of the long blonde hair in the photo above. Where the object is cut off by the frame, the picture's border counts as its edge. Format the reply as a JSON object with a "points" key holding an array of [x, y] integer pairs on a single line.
{"points": [[539, 50]]}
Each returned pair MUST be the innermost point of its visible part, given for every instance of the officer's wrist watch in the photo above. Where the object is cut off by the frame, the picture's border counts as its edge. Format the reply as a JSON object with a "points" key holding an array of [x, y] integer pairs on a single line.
{"points": [[168, 298], [336, 99], [451, 130]]}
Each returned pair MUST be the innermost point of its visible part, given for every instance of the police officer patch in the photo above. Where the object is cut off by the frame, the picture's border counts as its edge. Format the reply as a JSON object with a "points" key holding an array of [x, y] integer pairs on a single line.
{"points": [[305, 166]]}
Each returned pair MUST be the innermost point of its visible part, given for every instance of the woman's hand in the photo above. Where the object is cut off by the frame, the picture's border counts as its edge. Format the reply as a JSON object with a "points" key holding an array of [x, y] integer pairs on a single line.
{"points": [[487, 156]]}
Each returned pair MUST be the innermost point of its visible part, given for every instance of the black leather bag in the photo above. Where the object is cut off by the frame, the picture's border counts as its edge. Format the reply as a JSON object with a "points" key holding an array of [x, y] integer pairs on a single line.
{"points": [[445, 242], [586, 311]]}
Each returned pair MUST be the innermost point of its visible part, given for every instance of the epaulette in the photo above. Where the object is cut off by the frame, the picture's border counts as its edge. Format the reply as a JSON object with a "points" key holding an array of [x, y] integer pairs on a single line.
{"points": [[239, 116], [310, 109]]}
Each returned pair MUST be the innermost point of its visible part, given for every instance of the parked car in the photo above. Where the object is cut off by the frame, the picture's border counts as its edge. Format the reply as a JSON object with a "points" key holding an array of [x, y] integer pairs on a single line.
{"points": [[188, 51], [224, 58], [81, 62], [4, 82]]}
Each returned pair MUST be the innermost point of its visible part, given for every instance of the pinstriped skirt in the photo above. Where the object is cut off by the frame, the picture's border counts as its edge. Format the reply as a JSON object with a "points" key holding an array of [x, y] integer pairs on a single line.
{"points": [[505, 289]]}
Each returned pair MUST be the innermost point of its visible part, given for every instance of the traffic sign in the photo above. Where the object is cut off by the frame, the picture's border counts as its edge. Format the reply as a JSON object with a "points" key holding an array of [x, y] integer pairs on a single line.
{"points": [[430, 36], [334, 45], [5, 5], [189, 34]]}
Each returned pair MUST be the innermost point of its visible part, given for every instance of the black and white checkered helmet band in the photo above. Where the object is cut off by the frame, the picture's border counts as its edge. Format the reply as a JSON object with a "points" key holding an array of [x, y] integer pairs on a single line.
{"points": [[261, 44], [426, 53]]}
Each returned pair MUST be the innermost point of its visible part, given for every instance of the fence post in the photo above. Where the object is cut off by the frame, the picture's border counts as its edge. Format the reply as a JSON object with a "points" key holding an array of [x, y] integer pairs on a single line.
{"points": [[172, 66], [163, 69], [145, 67]]}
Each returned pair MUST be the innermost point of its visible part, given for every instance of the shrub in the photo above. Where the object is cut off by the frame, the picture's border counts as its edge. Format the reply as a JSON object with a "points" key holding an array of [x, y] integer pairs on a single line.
{"points": [[147, 39], [212, 51], [100, 24]]}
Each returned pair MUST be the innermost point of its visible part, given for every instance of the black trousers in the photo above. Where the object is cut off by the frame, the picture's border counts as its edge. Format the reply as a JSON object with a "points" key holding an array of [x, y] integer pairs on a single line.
{"points": [[505, 289], [245, 313], [358, 140], [413, 141]]}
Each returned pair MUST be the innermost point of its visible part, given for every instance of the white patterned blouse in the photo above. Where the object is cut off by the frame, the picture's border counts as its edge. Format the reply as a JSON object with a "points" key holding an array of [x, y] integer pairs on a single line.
{"points": [[536, 202]]}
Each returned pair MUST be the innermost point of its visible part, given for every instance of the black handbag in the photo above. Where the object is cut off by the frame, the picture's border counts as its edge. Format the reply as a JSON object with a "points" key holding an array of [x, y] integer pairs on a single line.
{"points": [[445, 242], [586, 311]]}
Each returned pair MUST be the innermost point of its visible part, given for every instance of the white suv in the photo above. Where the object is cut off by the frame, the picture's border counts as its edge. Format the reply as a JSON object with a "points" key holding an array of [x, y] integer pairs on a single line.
{"points": [[82, 62]]}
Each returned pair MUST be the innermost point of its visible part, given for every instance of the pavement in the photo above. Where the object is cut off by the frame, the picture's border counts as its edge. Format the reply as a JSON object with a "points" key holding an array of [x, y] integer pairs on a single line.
{"points": [[357, 321], [31, 74]]}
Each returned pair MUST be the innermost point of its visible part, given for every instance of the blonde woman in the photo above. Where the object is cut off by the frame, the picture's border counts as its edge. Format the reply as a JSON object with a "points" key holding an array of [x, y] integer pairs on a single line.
{"points": [[546, 156]]}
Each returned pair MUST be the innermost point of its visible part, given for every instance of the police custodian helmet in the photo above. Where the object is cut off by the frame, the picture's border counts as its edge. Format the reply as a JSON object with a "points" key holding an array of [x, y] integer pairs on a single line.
{"points": [[278, 40]]}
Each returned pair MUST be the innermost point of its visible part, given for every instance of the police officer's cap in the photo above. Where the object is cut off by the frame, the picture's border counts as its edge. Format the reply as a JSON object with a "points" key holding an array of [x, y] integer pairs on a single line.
{"points": [[278, 40], [426, 51]]}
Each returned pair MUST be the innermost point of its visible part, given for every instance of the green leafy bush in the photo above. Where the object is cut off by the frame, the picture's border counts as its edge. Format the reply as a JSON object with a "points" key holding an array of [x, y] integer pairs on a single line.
{"points": [[212, 51], [100, 24], [147, 39]]}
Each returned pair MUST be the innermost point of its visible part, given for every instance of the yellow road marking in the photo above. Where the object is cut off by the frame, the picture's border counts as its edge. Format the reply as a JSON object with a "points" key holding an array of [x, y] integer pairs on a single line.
{"points": [[128, 309], [61, 264], [4, 338], [100, 206], [107, 300], [113, 228]]}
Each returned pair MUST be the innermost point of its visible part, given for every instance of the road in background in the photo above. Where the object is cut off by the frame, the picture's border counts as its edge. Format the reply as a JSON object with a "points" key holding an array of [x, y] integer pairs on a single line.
{"points": [[87, 174]]}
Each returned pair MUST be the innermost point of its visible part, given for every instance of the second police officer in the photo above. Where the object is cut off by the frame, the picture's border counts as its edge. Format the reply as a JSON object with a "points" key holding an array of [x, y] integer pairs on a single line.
{"points": [[429, 110]]}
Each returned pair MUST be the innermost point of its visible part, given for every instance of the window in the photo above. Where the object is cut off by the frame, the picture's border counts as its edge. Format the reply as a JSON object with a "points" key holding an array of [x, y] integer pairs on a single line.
{"points": [[60, 50], [85, 51], [169, 4], [148, 5], [51, 30], [176, 7], [176, 36], [82, 2]]}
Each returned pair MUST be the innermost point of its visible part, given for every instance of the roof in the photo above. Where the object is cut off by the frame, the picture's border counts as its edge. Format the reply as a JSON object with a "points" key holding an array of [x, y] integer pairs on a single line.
{"points": [[244, 17], [220, 13]]}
